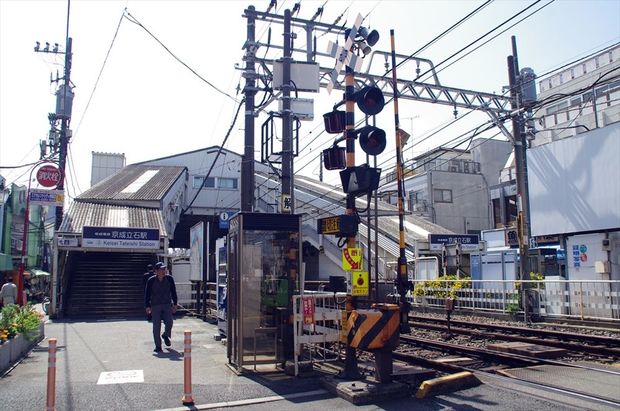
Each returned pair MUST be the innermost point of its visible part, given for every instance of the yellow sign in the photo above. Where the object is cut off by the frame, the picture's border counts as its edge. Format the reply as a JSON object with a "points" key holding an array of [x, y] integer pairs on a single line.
{"points": [[359, 284], [352, 259]]}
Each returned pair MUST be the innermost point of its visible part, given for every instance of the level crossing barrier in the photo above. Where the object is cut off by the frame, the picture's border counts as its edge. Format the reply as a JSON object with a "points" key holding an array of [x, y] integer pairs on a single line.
{"points": [[318, 319], [579, 299]]}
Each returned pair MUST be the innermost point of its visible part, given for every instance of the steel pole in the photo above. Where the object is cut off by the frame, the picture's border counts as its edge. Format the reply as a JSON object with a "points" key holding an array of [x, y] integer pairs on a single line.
{"points": [[402, 282]]}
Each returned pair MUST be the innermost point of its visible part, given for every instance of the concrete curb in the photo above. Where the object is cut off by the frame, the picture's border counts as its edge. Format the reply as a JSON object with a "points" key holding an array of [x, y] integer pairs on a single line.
{"points": [[449, 383]]}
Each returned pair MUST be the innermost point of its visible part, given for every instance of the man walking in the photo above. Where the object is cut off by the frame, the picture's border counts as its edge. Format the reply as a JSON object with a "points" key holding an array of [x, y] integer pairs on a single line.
{"points": [[160, 300], [8, 293], [145, 277]]}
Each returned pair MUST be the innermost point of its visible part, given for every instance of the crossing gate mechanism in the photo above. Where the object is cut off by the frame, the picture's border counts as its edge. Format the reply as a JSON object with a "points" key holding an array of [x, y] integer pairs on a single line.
{"points": [[376, 328]]}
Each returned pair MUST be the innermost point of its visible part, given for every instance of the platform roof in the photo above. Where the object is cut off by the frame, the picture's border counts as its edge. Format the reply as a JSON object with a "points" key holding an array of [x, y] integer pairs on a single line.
{"points": [[82, 214], [135, 182]]}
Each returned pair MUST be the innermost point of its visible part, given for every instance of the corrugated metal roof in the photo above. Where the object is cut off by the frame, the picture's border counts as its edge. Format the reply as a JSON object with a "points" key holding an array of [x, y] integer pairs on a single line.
{"points": [[416, 227], [115, 187], [106, 215]]}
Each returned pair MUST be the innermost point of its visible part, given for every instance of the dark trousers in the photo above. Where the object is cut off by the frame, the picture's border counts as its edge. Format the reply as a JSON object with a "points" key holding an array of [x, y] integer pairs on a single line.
{"points": [[159, 313]]}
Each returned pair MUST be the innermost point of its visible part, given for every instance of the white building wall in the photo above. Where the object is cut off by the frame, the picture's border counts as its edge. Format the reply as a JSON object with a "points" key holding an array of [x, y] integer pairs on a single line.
{"points": [[104, 165], [574, 183]]}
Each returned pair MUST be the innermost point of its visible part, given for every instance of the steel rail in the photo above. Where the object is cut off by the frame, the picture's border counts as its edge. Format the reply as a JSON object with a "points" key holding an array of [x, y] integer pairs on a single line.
{"points": [[452, 368], [572, 346], [593, 339]]}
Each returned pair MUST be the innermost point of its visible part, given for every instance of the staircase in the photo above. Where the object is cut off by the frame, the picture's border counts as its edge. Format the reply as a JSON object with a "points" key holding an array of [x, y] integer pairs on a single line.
{"points": [[105, 285]]}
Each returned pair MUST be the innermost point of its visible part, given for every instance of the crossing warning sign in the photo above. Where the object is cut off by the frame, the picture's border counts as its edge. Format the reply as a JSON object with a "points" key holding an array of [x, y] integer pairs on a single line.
{"points": [[359, 284], [352, 259]]}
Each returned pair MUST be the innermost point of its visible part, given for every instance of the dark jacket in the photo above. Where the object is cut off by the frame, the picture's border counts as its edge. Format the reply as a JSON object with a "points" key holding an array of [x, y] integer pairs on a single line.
{"points": [[146, 276], [160, 292]]}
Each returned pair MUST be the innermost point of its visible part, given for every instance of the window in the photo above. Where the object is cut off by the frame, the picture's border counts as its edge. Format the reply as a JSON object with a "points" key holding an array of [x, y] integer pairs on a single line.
{"points": [[575, 101], [230, 183], [442, 196], [197, 183]]}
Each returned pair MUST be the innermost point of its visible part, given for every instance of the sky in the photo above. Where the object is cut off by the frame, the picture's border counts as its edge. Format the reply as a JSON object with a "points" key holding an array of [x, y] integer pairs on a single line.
{"points": [[147, 105]]}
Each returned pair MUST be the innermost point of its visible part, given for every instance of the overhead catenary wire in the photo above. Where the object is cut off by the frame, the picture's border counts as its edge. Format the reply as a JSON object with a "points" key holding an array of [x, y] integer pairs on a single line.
{"points": [[105, 60], [135, 21], [221, 147]]}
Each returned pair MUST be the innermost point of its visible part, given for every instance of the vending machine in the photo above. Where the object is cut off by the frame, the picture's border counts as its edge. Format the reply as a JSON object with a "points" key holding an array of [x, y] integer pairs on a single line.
{"points": [[220, 264]]}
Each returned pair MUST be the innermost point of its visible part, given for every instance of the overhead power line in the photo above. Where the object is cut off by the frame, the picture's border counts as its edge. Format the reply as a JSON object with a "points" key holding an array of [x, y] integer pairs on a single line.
{"points": [[105, 60], [135, 21]]}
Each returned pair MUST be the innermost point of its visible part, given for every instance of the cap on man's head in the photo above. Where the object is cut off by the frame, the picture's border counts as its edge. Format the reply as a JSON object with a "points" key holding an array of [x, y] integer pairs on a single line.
{"points": [[149, 267], [160, 265]]}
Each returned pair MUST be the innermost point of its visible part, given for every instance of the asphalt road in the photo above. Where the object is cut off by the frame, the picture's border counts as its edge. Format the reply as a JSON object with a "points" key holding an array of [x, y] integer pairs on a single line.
{"points": [[88, 349]]}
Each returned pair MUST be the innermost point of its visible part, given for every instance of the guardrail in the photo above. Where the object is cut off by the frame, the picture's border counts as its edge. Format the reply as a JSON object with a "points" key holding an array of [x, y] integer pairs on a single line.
{"points": [[592, 299], [317, 326]]}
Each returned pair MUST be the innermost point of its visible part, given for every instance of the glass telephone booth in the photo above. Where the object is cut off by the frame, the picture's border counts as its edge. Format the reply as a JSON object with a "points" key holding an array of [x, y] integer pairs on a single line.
{"points": [[264, 261]]}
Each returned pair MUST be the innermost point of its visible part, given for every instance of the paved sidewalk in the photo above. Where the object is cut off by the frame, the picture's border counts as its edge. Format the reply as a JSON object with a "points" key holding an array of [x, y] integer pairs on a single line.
{"points": [[87, 349]]}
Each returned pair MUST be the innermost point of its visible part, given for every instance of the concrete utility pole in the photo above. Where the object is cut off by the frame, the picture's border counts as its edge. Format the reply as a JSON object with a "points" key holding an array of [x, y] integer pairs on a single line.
{"points": [[247, 161], [288, 190], [65, 118], [519, 141], [64, 103]]}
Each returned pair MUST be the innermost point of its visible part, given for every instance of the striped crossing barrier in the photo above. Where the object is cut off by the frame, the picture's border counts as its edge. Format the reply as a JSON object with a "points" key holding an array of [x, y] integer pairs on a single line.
{"points": [[376, 328], [51, 375], [187, 369]]}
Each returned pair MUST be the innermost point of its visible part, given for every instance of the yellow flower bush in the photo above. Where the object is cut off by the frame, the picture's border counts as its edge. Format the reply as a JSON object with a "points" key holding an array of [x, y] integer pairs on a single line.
{"points": [[18, 320]]}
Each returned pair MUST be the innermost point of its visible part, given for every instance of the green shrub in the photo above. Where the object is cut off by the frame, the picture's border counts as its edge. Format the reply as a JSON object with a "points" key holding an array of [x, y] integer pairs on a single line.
{"points": [[444, 287], [19, 320]]}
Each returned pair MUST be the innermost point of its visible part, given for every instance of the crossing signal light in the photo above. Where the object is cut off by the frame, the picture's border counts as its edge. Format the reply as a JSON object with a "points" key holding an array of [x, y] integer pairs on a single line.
{"points": [[334, 158], [360, 180], [335, 121], [370, 100], [372, 140]]}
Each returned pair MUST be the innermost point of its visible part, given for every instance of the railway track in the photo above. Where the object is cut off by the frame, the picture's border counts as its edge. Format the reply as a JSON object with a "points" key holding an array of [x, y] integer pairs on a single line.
{"points": [[562, 335], [494, 361], [580, 343]]}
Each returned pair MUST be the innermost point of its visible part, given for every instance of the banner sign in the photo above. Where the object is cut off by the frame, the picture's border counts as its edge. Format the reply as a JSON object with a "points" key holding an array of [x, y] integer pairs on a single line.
{"points": [[120, 237], [46, 197], [196, 252], [308, 306], [468, 242]]}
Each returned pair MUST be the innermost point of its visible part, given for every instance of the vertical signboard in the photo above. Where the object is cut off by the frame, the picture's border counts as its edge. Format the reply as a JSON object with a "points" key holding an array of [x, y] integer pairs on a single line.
{"points": [[196, 253]]}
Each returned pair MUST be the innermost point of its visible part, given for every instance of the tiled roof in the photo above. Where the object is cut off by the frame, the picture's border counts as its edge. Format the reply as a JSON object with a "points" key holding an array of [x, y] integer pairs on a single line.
{"points": [[117, 186], [106, 215]]}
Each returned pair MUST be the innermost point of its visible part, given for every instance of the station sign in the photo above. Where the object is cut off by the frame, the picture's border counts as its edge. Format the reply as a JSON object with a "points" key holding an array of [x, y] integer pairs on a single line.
{"points": [[67, 242], [340, 225], [48, 175], [468, 242], [46, 197], [120, 237], [224, 219]]}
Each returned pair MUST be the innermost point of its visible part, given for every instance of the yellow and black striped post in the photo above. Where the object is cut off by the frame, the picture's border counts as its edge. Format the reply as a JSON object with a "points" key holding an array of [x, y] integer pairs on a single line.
{"points": [[377, 331], [350, 364], [402, 282]]}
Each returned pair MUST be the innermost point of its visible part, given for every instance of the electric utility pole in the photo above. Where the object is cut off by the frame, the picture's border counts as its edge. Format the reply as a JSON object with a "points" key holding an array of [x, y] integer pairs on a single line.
{"points": [[64, 104], [519, 141]]}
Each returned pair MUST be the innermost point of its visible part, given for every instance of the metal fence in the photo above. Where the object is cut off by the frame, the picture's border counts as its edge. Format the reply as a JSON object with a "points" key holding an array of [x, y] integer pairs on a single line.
{"points": [[317, 326], [594, 299]]}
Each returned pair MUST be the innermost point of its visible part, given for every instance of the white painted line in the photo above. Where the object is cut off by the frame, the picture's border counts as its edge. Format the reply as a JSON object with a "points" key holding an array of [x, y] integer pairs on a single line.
{"points": [[121, 377], [250, 401]]}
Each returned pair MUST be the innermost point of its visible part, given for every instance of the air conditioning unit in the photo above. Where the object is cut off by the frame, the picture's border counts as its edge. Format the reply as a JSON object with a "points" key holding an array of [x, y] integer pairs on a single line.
{"points": [[454, 169]]}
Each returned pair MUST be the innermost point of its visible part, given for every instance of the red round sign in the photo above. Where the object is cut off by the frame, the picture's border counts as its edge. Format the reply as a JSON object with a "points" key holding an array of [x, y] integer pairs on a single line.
{"points": [[48, 176]]}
